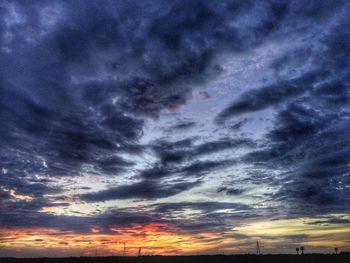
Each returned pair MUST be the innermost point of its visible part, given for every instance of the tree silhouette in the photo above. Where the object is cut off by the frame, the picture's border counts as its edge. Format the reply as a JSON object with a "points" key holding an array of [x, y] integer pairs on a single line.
{"points": [[302, 250], [336, 250], [297, 249]]}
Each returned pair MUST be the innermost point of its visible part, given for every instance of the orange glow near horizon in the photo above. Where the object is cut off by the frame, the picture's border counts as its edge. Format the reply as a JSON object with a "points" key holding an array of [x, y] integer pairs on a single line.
{"points": [[152, 238], [166, 239]]}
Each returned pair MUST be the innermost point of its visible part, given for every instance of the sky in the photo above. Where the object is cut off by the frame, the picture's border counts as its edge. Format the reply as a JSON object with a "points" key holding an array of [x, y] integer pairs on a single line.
{"points": [[181, 127]]}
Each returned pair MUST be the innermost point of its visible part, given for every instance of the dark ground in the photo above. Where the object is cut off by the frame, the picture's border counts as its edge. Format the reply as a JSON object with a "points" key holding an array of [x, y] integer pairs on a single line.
{"points": [[310, 258]]}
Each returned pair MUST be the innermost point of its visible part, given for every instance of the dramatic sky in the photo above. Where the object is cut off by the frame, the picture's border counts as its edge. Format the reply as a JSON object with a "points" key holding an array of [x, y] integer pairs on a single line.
{"points": [[182, 127]]}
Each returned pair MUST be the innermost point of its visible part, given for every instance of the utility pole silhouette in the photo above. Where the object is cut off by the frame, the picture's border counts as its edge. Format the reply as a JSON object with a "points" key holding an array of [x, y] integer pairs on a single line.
{"points": [[297, 249], [336, 250], [139, 254], [257, 247], [124, 250], [96, 252]]}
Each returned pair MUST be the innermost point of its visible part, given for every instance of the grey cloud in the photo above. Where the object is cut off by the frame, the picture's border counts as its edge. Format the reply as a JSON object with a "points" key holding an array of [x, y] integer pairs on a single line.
{"points": [[307, 145], [265, 97], [206, 207], [334, 220], [184, 150], [230, 191], [185, 125], [195, 169], [141, 190], [58, 100]]}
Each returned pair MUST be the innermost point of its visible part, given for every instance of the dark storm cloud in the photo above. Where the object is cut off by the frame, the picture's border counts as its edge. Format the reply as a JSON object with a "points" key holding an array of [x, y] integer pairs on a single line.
{"points": [[178, 159], [182, 126], [142, 190], [311, 148], [78, 78], [328, 221], [23, 186], [24, 214], [184, 150], [4, 195], [308, 144], [209, 217], [230, 191], [77, 85], [37, 219], [151, 186], [265, 97], [113, 164], [196, 169]]}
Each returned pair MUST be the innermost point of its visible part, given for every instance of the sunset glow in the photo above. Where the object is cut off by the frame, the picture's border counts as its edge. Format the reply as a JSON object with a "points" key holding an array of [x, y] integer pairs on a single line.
{"points": [[174, 127]]}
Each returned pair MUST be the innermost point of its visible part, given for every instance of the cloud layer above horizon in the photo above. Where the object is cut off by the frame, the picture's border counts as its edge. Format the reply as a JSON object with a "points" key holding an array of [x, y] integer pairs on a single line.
{"points": [[140, 120]]}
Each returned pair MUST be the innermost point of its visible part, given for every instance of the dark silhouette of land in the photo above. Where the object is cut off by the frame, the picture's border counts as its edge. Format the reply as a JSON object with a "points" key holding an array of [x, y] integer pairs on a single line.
{"points": [[309, 258]]}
